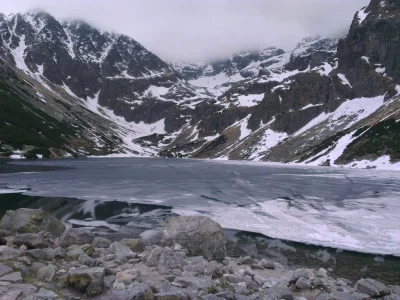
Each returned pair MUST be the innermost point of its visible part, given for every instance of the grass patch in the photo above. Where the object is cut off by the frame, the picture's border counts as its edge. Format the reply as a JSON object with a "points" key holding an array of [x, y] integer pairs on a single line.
{"points": [[380, 139]]}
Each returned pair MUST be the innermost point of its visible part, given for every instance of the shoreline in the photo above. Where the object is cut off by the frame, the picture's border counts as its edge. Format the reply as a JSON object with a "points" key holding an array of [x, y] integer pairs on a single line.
{"points": [[356, 165], [242, 243], [191, 262]]}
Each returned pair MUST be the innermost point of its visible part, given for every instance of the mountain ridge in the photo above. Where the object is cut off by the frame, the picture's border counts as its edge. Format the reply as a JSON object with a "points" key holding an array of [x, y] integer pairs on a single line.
{"points": [[262, 105]]}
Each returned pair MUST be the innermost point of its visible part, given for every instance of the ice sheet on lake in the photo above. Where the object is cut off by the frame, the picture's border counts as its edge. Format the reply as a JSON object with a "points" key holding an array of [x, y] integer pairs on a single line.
{"points": [[365, 225]]}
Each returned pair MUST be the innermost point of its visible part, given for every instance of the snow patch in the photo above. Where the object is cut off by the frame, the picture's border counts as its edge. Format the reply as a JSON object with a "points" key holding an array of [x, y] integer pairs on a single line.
{"points": [[310, 105], [249, 100], [344, 79], [366, 58], [269, 140], [19, 55], [349, 113], [362, 15], [156, 91], [380, 70], [381, 163]]}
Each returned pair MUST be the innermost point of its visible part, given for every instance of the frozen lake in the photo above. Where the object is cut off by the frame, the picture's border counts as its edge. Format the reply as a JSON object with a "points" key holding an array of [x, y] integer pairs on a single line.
{"points": [[341, 208]]}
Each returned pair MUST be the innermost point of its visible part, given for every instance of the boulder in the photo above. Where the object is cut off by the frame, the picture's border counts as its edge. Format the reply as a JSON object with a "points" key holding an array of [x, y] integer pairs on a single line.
{"points": [[30, 240], [347, 296], [88, 249], [193, 282], [170, 259], [13, 295], [74, 254], [303, 284], [4, 270], [26, 220], [136, 245], [46, 273], [12, 277], [280, 292], [138, 291], [76, 236], [44, 294], [128, 277], [259, 280], [232, 278], [100, 242], [200, 235], [302, 272], [89, 280], [372, 287], [154, 256], [172, 296], [7, 253], [267, 264]]}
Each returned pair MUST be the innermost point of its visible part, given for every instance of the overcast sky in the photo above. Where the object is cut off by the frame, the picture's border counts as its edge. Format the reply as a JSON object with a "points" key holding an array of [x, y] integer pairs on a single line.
{"points": [[196, 30]]}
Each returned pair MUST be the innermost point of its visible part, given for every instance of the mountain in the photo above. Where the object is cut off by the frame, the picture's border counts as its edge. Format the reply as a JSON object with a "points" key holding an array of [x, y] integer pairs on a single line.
{"points": [[71, 89]]}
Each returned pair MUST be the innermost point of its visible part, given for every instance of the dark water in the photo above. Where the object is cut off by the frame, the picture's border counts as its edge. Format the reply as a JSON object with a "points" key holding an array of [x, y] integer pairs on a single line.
{"points": [[136, 195]]}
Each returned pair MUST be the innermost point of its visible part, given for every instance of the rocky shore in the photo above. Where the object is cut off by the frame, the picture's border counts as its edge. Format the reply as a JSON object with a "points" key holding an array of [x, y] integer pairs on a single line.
{"points": [[41, 259]]}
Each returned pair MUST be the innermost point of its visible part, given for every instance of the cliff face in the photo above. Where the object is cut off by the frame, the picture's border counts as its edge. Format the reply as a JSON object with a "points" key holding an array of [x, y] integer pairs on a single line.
{"points": [[316, 104]]}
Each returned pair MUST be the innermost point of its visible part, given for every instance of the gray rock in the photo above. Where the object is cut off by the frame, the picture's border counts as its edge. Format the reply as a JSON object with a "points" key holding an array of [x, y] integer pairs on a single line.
{"points": [[154, 256], [26, 220], [249, 272], [259, 280], [100, 242], [281, 292], [247, 260], [13, 295], [14, 277], [172, 296], [302, 284], [7, 253], [372, 287], [88, 249], [139, 291], [55, 253], [322, 273], [346, 296], [200, 235], [271, 281], [226, 295], [46, 273], [44, 294], [170, 259], [74, 254], [193, 282], [127, 277], [267, 264], [392, 297], [341, 283], [76, 236], [211, 297], [36, 266], [30, 240], [302, 272], [4, 270], [136, 245], [323, 296], [394, 289], [164, 287], [250, 283], [122, 252], [38, 253], [88, 280], [232, 278]]}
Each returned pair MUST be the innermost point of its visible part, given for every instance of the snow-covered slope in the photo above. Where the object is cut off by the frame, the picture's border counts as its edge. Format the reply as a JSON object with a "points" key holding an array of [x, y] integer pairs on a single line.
{"points": [[322, 103]]}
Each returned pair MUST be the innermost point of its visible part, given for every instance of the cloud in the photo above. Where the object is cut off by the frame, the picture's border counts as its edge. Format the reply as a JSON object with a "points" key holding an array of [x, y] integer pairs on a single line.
{"points": [[197, 30]]}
